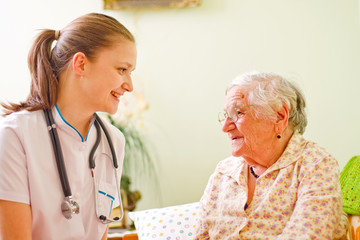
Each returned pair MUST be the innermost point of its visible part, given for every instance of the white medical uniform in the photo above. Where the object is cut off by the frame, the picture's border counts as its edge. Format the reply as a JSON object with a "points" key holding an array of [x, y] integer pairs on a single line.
{"points": [[28, 174]]}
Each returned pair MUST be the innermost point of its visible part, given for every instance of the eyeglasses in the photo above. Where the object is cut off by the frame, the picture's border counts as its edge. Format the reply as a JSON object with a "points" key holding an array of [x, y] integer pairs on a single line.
{"points": [[234, 113]]}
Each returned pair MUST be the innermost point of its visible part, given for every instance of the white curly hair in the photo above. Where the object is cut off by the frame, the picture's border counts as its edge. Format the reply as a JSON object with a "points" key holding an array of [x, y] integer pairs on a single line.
{"points": [[267, 92]]}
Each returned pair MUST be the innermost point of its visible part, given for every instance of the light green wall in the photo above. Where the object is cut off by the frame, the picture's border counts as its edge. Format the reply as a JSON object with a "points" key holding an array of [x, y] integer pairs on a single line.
{"points": [[187, 57]]}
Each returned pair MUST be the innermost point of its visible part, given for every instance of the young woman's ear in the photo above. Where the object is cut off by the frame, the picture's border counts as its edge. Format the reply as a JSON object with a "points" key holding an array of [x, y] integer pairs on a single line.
{"points": [[282, 118], [78, 63]]}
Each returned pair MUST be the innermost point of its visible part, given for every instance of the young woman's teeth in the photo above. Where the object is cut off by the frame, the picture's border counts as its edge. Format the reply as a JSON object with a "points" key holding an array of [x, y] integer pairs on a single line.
{"points": [[115, 94]]}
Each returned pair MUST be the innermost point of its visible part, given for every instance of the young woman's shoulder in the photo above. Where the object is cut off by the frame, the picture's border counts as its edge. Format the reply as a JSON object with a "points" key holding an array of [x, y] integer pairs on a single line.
{"points": [[23, 119]]}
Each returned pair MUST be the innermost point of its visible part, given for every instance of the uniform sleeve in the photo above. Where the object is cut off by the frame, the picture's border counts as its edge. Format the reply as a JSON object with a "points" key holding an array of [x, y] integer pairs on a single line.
{"points": [[318, 211], [13, 167]]}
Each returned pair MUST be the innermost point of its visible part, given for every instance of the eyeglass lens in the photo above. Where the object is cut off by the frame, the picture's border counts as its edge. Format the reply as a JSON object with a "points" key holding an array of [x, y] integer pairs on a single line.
{"points": [[233, 113]]}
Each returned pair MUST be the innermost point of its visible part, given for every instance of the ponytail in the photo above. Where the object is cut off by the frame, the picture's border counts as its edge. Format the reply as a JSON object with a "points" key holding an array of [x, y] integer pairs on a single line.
{"points": [[43, 88], [44, 82]]}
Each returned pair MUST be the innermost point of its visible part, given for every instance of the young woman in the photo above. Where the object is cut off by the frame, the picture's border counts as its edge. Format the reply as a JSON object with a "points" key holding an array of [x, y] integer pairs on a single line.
{"points": [[87, 70]]}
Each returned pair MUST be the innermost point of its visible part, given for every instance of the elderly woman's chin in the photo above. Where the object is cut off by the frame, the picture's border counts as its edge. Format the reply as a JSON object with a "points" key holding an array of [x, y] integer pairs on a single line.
{"points": [[237, 150]]}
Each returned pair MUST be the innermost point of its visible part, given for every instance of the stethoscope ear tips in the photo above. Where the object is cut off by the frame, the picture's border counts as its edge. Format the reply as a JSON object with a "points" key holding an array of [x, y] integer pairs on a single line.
{"points": [[104, 219], [69, 207]]}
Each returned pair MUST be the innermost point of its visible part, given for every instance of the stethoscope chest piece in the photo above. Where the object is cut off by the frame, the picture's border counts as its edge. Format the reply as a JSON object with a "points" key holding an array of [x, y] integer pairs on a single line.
{"points": [[69, 207]]}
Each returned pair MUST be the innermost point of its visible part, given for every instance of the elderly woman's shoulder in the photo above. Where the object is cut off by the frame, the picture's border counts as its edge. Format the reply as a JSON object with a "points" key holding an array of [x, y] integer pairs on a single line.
{"points": [[315, 157], [229, 164], [317, 153]]}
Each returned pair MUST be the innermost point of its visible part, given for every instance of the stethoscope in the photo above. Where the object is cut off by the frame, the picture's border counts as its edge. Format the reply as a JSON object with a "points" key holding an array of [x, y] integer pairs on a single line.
{"points": [[69, 206]]}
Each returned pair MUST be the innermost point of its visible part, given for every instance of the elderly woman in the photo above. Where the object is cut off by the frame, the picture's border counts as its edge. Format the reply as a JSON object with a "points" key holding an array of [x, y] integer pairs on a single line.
{"points": [[276, 184]]}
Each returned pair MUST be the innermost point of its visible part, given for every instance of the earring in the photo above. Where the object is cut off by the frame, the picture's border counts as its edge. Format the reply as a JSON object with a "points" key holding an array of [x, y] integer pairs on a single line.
{"points": [[278, 136]]}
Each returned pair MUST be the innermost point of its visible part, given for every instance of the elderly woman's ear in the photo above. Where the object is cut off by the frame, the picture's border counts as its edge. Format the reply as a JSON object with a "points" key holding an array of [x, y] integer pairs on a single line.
{"points": [[282, 118]]}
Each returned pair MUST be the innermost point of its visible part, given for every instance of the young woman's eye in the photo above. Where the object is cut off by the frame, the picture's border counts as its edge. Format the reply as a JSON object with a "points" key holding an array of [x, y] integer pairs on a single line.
{"points": [[122, 70]]}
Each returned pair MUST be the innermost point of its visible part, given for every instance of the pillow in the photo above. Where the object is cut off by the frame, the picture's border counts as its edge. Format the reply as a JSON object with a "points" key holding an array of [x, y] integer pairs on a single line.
{"points": [[169, 223]]}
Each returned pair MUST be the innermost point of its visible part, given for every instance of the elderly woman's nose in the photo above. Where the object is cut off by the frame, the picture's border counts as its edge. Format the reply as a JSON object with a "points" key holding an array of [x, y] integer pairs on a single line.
{"points": [[228, 125]]}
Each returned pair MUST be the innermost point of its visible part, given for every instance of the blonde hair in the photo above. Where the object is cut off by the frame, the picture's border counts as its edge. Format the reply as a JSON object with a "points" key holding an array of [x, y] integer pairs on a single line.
{"points": [[267, 92], [87, 34]]}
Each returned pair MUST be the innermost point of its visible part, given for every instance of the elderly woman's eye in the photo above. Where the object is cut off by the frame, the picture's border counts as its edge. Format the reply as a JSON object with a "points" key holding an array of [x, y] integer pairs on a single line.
{"points": [[239, 112]]}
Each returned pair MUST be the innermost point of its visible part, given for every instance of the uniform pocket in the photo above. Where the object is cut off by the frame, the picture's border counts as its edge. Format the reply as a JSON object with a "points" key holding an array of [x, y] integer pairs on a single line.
{"points": [[106, 198]]}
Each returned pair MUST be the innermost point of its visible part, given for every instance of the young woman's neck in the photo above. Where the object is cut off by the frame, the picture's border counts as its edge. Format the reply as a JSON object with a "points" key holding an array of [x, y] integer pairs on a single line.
{"points": [[76, 117], [74, 112], [71, 104]]}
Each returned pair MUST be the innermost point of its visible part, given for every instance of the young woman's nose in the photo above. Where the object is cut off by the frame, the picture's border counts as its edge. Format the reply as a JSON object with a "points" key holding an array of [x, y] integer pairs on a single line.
{"points": [[128, 85]]}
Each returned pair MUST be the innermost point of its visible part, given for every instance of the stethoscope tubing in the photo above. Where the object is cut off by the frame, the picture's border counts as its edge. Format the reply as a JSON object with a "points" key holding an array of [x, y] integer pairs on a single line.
{"points": [[98, 123], [113, 154], [58, 153], [96, 144]]}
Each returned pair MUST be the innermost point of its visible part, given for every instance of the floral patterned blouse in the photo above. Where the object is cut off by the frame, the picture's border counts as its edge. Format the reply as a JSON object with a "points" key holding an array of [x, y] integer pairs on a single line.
{"points": [[298, 197]]}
